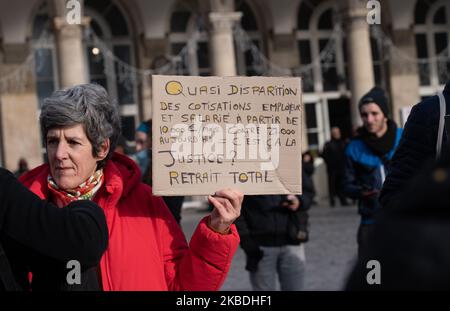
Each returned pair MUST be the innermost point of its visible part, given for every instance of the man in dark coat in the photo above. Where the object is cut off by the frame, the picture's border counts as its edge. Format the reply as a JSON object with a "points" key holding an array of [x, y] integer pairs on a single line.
{"points": [[273, 229], [264, 228], [417, 144], [31, 226], [410, 239], [334, 157]]}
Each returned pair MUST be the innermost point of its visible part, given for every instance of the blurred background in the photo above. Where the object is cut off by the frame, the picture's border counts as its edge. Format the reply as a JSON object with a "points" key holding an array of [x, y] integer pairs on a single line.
{"points": [[340, 49]]}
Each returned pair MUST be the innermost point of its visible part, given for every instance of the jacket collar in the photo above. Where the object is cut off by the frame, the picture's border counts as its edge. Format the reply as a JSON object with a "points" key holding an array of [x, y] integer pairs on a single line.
{"points": [[121, 176]]}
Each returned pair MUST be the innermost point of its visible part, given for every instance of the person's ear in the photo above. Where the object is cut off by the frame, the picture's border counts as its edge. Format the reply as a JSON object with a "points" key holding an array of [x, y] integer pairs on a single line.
{"points": [[104, 149]]}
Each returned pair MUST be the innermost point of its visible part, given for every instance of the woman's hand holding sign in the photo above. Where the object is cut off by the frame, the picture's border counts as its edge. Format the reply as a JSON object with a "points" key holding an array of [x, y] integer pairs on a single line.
{"points": [[227, 208]]}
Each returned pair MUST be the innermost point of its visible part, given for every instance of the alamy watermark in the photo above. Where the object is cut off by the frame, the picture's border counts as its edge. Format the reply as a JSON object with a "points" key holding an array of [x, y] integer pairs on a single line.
{"points": [[74, 275], [374, 275], [374, 15], [73, 15], [208, 141]]}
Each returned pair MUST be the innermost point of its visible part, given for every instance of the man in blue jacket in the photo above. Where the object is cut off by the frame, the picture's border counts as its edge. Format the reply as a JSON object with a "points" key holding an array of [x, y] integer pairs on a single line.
{"points": [[419, 143], [367, 159]]}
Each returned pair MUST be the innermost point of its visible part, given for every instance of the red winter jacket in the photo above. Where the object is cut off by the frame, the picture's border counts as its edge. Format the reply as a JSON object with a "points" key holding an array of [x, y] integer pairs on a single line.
{"points": [[147, 249]]}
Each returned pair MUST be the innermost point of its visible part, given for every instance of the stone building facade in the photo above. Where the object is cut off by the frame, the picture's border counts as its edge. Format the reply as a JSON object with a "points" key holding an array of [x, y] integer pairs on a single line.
{"points": [[337, 47]]}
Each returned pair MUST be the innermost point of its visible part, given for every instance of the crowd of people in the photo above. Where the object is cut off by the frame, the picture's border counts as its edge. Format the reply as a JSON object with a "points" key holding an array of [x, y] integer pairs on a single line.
{"points": [[92, 202]]}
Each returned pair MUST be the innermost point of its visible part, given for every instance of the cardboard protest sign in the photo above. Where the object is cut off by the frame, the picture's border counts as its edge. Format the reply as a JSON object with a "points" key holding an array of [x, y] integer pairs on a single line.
{"points": [[211, 133]]}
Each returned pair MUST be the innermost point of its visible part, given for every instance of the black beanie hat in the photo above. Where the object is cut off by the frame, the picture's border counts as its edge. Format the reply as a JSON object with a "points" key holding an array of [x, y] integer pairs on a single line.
{"points": [[376, 95]]}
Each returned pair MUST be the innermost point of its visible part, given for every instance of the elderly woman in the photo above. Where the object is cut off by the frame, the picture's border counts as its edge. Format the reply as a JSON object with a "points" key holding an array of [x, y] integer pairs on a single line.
{"points": [[147, 249]]}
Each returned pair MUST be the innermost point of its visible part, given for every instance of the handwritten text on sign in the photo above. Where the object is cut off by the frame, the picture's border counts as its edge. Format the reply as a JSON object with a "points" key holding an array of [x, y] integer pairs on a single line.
{"points": [[241, 132]]}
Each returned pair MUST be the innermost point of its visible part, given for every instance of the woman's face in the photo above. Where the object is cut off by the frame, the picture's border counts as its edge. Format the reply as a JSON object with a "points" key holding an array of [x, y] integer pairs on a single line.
{"points": [[141, 141], [70, 156]]}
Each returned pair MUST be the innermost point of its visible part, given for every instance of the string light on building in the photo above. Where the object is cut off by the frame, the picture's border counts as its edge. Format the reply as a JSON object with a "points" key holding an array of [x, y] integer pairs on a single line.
{"points": [[95, 51], [128, 75]]}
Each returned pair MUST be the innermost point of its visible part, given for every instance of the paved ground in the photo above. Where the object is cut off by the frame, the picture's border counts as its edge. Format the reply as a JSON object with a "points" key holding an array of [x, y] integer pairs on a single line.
{"points": [[330, 252]]}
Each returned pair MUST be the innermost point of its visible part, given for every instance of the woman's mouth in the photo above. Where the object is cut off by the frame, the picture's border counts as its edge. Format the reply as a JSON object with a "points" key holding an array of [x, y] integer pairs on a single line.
{"points": [[63, 169]]}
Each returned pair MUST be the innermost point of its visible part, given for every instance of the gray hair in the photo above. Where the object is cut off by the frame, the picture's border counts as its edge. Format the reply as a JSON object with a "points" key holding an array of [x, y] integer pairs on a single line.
{"points": [[88, 105]]}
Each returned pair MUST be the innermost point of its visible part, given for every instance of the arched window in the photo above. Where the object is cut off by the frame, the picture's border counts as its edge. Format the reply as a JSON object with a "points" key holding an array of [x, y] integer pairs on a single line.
{"points": [[110, 24], [45, 59], [246, 60], [189, 39], [323, 67], [319, 34], [432, 34], [316, 36]]}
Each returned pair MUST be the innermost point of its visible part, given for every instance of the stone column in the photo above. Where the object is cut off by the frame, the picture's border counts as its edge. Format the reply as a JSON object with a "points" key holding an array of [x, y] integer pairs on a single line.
{"points": [[71, 56], [222, 44], [151, 53], [404, 76], [360, 54], [19, 126]]}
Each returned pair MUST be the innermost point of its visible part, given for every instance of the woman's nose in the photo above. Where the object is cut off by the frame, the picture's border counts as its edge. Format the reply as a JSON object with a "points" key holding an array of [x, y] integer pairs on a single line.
{"points": [[61, 151]]}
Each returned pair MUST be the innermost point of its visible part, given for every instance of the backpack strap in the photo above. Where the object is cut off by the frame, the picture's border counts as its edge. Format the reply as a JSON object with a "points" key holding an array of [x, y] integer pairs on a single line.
{"points": [[442, 112], [383, 173], [6, 275]]}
